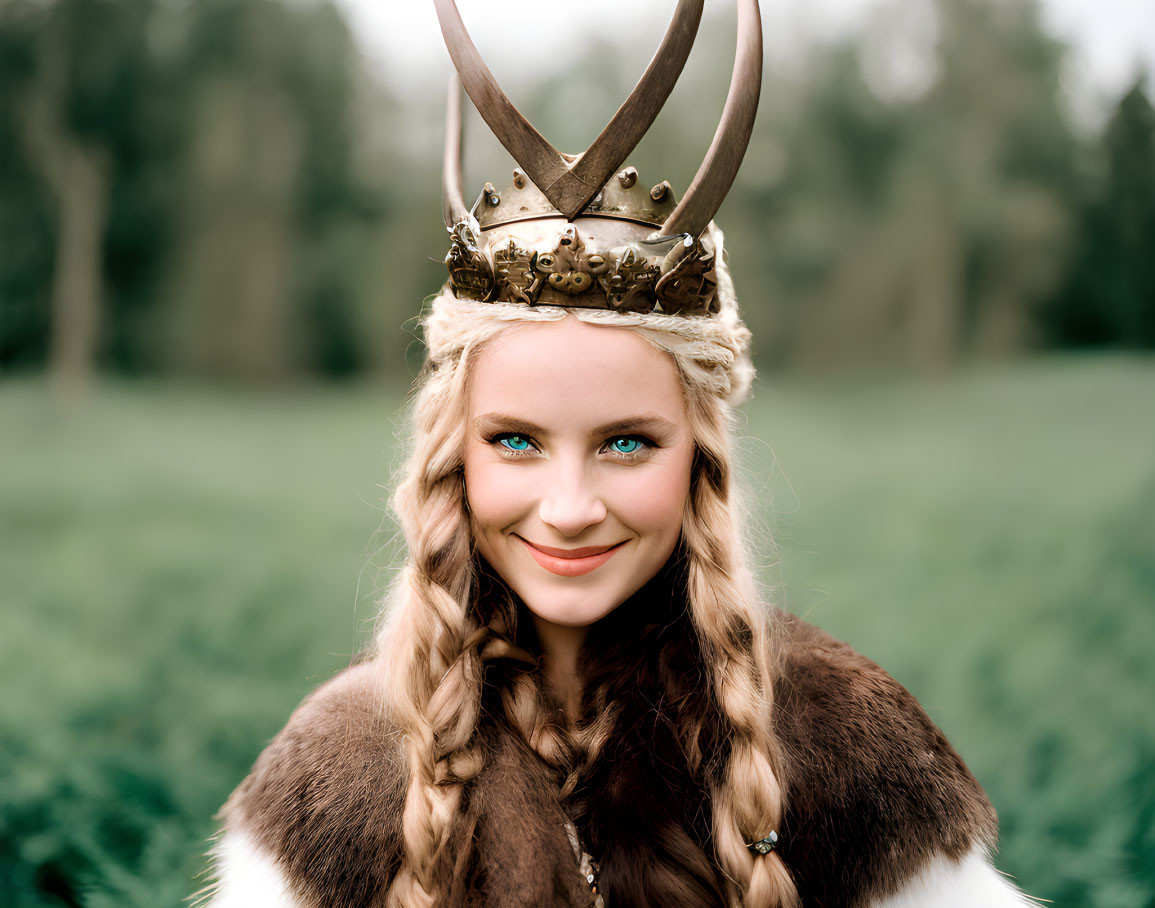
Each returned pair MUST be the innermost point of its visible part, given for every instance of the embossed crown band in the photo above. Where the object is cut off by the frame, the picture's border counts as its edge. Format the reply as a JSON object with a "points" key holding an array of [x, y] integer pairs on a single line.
{"points": [[600, 260], [568, 232]]}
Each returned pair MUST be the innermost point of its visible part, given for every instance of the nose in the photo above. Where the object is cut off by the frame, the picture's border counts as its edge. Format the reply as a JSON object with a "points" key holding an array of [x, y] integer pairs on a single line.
{"points": [[570, 503]]}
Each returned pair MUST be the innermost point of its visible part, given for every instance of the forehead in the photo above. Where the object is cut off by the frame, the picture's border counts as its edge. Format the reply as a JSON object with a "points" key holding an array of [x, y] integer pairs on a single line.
{"points": [[571, 371]]}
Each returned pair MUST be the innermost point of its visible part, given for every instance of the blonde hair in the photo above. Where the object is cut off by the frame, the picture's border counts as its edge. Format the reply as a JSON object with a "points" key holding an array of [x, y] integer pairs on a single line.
{"points": [[434, 644]]}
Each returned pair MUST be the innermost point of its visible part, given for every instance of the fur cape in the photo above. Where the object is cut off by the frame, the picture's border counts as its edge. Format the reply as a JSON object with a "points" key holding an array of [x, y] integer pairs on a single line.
{"points": [[878, 803]]}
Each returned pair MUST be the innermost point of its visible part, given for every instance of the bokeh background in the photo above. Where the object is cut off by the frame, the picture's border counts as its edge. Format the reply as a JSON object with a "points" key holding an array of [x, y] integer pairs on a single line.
{"points": [[219, 219]]}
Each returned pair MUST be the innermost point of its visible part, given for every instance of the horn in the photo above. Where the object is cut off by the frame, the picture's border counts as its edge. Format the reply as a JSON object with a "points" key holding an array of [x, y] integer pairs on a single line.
{"points": [[635, 117], [569, 183], [453, 207], [716, 175]]}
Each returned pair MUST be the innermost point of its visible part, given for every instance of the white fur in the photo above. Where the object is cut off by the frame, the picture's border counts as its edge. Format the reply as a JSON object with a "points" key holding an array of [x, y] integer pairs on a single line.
{"points": [[970, 883], [247, 877]]}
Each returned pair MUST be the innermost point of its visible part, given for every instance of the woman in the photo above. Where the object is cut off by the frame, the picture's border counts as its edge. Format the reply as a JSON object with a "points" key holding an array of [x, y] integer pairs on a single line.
{"points": [[576, 697]]}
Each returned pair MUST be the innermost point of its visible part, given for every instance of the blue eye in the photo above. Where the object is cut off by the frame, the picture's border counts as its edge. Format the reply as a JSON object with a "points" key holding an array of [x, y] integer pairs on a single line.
{"points": [[625, 445], [515, 442]]}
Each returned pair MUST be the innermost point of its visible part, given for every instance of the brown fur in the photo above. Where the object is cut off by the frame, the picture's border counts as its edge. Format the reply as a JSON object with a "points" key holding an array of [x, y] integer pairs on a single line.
{"points": [[875, 790], [521, 855], [326, 796]]}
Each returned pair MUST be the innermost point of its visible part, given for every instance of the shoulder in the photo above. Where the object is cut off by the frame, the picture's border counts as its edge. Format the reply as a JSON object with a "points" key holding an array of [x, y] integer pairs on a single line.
{"points": [[320, 811], [876, 794]]}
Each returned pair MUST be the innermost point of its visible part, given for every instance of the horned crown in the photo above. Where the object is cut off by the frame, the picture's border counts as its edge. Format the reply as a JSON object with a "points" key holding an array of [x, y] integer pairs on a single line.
{"points": [[577, 230]]}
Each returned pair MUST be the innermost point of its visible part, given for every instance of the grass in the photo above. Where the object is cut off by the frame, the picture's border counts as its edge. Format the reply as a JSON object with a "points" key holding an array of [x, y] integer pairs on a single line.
{"points": [[180, 566]]}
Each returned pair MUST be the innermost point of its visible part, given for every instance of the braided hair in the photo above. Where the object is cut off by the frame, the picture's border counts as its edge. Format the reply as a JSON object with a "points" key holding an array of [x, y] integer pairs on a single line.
{"points": [[705, 638]]}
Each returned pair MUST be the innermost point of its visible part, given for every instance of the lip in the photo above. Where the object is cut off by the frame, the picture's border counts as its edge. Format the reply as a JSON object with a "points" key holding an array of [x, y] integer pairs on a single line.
{"points": [[571, 562]]}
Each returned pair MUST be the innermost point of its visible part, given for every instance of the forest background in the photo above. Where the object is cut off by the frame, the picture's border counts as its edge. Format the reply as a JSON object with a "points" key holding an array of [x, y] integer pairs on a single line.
{"points": [[217, 225]]}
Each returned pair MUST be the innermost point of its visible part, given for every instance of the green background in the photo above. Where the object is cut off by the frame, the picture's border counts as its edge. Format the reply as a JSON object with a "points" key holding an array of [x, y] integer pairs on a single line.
{"points": [[217, 219], [180, 566]]}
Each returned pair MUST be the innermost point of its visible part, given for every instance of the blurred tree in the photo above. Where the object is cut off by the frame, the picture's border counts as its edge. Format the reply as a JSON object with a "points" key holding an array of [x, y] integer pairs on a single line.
{"points": [[923, 220], [68, 106], [274, 217], [829, 254], [1000, 164], [85, 139], [250, 205], [1109, 295], [186, 193], [25, 232]]}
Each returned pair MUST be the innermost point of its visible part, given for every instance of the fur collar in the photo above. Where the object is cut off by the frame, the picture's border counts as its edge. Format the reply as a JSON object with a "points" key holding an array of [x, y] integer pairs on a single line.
{"points": [[875, 789], [874, 793]]}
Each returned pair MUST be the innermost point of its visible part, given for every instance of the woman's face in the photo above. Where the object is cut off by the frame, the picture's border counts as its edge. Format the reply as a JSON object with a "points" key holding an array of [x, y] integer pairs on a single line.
{"points": [[577, 465]]}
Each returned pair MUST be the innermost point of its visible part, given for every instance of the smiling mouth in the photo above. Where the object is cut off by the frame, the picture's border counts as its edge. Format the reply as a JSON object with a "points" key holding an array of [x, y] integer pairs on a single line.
{"points": [[571, 562]]}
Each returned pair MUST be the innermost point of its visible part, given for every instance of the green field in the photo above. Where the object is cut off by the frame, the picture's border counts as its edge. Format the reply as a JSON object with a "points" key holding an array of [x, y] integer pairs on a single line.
{"points": [[178, 567]]}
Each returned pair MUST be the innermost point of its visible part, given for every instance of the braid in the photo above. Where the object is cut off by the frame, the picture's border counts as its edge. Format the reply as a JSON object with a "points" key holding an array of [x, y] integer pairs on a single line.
{"points": [[431, 643], [748, 798], [436, 645]]}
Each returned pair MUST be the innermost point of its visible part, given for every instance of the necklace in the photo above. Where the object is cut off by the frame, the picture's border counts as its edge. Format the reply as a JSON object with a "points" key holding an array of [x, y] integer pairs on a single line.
{"points": [[586, 864]]}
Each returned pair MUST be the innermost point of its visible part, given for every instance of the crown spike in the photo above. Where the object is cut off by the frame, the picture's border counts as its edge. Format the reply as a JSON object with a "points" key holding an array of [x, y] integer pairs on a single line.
{"points": [[635, 117], [716, 175], [540, 160], [570, 182], [453, 207]]}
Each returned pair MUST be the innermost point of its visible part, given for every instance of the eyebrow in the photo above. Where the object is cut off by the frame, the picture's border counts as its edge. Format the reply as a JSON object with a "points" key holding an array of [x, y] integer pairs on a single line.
{"points": [[648, 423], [487, 423], [504, 422]]}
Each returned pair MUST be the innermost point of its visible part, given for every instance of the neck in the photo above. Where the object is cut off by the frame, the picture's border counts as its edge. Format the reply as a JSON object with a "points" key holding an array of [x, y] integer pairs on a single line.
{"points": [[560, 646]]}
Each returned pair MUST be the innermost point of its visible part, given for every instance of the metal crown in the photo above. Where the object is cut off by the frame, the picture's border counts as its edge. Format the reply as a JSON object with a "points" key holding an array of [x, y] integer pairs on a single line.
{"points": [[574, 230]]}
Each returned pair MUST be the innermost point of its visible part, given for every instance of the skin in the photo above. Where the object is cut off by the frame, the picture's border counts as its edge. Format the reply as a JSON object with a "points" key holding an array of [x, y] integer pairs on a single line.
{"points": [[577, 444]]}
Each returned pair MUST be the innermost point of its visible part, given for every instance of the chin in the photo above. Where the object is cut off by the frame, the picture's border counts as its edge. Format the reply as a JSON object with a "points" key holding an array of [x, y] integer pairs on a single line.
{"points": [[572, 608]]}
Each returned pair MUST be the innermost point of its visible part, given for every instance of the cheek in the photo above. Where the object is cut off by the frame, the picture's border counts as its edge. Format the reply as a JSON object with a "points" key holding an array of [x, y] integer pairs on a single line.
{"points": [[653, 501], [496, 494]]}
